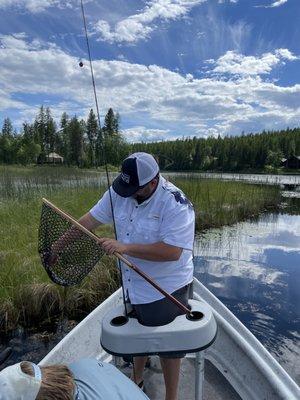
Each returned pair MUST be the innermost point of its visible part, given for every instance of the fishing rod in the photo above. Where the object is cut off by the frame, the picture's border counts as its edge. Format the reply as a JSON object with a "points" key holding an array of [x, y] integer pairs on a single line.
{"points": [[119, 256], [102, 141]]}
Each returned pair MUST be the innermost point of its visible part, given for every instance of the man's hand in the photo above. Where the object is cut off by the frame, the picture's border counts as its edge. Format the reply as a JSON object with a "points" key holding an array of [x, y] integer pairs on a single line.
{"points": [[111, 246], [159, 251]]}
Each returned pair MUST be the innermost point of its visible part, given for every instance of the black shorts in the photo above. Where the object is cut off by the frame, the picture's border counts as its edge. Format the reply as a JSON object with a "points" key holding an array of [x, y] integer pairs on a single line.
{"points": [[163, 311]]}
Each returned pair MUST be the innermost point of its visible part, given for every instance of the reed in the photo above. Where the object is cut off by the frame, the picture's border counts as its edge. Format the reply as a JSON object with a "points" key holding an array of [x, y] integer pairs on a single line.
{"points": [[218, 203], [17, 182], [26, 295]]}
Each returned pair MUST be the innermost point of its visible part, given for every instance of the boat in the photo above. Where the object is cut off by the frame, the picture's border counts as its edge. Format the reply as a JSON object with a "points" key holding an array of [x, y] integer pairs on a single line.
{"points": [[236, 366]]}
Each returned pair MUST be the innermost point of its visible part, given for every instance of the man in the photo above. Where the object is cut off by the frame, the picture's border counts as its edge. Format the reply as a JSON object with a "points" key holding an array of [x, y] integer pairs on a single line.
{"points": [[155, 230]]}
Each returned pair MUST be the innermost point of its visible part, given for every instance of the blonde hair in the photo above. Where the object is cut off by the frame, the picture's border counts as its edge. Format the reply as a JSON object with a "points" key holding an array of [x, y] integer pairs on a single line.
{"points": [[57, 382]]}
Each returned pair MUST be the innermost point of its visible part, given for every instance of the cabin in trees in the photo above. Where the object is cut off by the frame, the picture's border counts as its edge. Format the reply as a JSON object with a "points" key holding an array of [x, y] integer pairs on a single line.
{"points": [[54, 158], [293, 162]]}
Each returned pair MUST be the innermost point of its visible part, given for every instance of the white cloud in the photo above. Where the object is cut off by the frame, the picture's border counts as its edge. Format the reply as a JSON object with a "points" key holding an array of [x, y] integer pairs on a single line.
{"points": [[230, 1], [7, 103], [139, 26], [35, 6], [235, 63], [277, 3], [151, 95], [220, 34], [143, 134]]}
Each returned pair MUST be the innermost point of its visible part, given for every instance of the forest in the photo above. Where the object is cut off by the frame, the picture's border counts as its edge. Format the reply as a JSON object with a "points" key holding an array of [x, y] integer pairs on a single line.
{"points": [[84, 144]]}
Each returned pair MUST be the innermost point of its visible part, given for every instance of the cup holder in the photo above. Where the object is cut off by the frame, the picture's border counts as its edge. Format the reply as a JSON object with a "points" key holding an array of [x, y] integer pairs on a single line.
{"points": [[119, 320], [195, 316]]}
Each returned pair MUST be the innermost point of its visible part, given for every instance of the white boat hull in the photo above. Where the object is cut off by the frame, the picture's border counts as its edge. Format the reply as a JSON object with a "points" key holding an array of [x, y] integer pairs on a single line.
{"points": [[236, 353]]}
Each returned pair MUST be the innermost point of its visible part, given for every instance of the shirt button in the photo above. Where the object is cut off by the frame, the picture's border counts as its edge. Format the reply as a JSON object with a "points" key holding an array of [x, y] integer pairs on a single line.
{"points": [[128, 280], [136, 206], [131, 220], [127, 234]]}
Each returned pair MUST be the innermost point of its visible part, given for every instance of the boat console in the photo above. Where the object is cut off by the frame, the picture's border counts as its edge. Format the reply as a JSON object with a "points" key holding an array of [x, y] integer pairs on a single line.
{"points": [[124, 335]]}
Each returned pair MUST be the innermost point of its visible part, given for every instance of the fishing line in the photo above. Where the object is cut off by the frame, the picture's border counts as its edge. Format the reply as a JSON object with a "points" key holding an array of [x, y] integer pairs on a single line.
{"points": [[102, 141]]}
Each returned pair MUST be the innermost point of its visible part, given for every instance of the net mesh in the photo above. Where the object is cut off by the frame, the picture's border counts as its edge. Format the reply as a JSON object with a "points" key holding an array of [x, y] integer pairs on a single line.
{"points": [[67, 253]]}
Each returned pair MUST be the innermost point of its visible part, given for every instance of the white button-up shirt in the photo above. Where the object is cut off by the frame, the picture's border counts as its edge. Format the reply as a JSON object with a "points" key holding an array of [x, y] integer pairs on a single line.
{"points": [[167, 216]]}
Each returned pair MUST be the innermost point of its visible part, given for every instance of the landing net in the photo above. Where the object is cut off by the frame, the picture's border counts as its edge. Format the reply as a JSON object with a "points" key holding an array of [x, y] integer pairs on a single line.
{"points": [[67, 253]]}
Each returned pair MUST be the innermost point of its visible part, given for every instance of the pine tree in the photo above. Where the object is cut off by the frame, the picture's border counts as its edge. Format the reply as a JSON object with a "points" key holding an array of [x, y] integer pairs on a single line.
{"points": [[114, 145], [76, 142], [92, 133], [51, 139], [111, 124], [99, 148], [7, 128], [40, 133], [7, 154], [64, 137]]}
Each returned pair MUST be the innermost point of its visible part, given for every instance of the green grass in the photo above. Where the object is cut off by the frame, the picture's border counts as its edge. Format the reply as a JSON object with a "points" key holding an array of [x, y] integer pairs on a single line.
{"points": [[218, 203], [23, 281], [27, 296]]}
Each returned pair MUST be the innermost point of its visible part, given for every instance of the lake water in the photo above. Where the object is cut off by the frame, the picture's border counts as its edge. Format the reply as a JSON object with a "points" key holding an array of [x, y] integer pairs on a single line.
{"points": [[265, 179], [254, 269]]}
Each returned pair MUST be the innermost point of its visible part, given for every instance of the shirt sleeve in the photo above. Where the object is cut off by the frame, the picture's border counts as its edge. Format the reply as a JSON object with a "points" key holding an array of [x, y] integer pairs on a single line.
{"points": [[178, 227], [102, 210]]}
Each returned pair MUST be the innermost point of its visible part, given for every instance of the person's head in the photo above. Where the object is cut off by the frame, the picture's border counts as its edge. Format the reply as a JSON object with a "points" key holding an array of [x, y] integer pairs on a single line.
{"points": [[139, 176], [28, 381]]}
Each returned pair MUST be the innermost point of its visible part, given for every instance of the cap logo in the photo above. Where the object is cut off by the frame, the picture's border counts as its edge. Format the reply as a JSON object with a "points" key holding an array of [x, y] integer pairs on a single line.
{"points": [[125, 177]]}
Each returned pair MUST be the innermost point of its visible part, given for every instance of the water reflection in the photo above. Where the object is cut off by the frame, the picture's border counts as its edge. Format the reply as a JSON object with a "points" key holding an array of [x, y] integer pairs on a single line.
{"points": [[254, 268]]}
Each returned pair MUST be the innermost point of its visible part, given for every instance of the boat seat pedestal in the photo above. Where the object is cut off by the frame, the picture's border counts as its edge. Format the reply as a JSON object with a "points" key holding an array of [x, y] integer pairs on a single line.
{"points": [[122, 335]]}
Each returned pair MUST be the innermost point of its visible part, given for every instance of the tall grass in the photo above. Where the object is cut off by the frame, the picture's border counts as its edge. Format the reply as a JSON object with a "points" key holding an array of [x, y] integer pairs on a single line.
{"points": [[26, 294], [218, 203], [17, 182]]}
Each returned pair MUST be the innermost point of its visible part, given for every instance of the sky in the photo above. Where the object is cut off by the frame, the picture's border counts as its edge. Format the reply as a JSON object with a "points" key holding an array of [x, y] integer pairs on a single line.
{"points": [[171, 68]]}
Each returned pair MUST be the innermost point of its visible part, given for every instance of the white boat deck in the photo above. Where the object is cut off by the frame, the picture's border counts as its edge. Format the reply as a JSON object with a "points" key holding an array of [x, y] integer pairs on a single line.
{"points": [[216, 387]]}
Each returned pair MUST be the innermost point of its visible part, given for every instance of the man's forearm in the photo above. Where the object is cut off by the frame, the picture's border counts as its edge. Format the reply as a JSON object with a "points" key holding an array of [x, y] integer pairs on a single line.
{"points": [[159, 251], [89, 222]]}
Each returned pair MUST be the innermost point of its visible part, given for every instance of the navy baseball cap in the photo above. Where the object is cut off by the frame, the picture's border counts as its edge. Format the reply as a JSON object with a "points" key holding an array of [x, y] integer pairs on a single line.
{"points": [[137, 170]]}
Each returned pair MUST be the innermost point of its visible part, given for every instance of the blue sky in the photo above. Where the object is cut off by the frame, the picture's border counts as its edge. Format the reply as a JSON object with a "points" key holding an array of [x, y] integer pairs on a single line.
{"points": [[171, 68]]}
